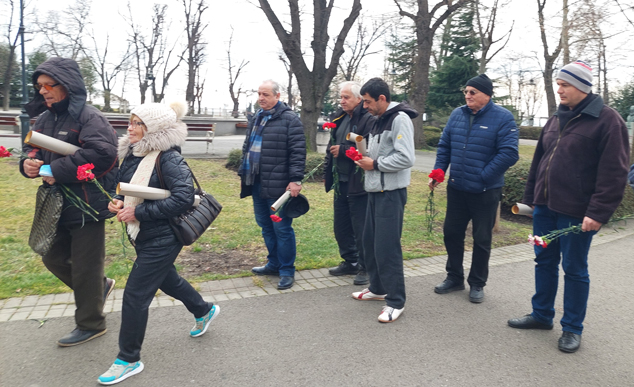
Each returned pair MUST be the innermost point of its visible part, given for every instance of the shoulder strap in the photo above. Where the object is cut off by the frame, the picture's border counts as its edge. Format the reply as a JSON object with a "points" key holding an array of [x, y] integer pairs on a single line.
{"points": [[160, 174]]}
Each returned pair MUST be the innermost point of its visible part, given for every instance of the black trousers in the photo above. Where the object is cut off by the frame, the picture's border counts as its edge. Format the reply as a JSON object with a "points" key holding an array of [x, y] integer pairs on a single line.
{"points": [[153, 269], [382, 245], [77, 259], [481, 210], [349, 221]]}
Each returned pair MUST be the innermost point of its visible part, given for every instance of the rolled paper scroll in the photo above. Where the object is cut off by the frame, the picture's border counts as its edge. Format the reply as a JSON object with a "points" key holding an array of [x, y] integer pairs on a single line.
{"points": [[522, 209], [43, 141], [360, 142], [280, 202], [147, 193]]}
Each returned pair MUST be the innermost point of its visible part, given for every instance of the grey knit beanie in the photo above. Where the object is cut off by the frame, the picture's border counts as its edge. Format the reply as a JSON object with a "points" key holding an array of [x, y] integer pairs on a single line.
{"points": [[578, 74]]}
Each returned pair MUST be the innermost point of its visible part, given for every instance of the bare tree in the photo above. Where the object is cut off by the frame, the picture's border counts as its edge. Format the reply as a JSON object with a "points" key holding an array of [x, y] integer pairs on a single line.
{"points": [[168, 69], [549, 59], [106, 70], [199, 90], [313, 84], [359, 48], [290, 97], [234, 73], [426, 23], [486, 33], [9, 64], [63, 35], [194, 26]]}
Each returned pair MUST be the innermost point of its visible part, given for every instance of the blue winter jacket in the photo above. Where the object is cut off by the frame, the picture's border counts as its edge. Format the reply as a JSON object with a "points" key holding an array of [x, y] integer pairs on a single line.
{"points": [[479, 153]]}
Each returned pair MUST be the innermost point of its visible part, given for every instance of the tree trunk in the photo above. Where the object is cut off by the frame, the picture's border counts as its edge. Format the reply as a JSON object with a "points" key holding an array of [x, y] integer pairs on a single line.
{"points": [[106, 101], [6, 88]]}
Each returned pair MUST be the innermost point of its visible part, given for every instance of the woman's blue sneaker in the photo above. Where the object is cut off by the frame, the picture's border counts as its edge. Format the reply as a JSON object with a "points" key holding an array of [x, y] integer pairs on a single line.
{"points": [[120, 371], [203, 323]]}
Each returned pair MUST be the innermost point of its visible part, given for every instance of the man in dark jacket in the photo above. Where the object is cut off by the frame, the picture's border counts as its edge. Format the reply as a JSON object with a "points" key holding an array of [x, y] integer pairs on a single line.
{"points": [[342, 175], [577, 177], [78, 251], [480, 141], [273, 162]]}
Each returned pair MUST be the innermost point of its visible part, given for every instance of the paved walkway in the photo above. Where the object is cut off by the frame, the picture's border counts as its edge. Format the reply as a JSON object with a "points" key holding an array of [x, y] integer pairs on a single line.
{"points": [[62, 305]]}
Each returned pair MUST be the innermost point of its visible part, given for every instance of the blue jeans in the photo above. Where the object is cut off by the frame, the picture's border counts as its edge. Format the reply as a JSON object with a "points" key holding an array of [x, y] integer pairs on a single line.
{"points": [[572, 251], [279, 237]]}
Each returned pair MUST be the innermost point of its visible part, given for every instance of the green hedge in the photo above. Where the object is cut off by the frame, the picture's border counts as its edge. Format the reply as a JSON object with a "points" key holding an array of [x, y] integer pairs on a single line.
{"points": [[530, 132], [432, 135], [234, 159]]}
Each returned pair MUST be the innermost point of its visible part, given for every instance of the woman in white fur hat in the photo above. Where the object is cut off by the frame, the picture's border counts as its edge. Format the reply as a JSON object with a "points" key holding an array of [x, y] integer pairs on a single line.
{"points": [[155, 130]]}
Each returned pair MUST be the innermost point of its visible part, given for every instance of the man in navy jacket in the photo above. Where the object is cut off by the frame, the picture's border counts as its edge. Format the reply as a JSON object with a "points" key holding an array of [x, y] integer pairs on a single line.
{"points": [[480, 141]]}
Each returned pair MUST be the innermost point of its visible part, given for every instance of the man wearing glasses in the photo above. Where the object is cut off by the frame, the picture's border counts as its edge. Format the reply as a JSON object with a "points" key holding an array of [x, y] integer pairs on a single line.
{"points": [[480, 142], [77, 253]]}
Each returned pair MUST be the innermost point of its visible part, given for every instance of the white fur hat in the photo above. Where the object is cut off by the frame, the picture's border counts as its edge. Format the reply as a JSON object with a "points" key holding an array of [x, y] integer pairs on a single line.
{"points": [[159, 117]]}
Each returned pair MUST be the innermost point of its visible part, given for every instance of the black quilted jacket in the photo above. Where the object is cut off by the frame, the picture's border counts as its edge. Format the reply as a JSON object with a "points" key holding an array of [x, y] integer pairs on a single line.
{"points": [[154, 214], [283, 157]]}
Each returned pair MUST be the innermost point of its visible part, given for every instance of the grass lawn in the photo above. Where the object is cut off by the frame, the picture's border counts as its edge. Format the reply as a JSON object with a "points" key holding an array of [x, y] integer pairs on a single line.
{"points": [[22, 272]]}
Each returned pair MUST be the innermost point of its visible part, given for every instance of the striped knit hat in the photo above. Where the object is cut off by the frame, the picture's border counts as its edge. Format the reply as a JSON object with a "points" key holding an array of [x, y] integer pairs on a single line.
{"points": [[578, 74]]}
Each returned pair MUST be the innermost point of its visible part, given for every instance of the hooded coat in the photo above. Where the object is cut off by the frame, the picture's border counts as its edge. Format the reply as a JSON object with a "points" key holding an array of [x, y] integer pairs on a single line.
{"points": [[154, 215], [74, 122]]}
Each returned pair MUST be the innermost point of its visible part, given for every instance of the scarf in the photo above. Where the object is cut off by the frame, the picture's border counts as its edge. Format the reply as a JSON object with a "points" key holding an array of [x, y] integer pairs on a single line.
{"points": [[250, 167], [141, 177]]}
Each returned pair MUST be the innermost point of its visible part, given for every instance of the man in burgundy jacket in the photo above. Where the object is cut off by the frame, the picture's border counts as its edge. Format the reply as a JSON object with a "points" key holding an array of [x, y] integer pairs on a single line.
{"points": [[577, 177]]}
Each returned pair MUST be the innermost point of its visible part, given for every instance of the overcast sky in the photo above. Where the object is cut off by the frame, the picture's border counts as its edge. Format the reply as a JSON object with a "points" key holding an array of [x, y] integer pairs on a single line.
{"points": [[255, 41]]}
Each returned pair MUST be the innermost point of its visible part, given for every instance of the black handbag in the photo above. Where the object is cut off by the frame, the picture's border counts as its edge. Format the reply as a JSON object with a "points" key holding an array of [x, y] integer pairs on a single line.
{"points": [[48, 209], [190, 225]]}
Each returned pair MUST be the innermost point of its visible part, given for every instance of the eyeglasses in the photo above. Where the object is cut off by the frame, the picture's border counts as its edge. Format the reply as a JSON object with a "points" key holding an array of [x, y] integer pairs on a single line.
{"points": [[47, 87], [472, 92], [137, 124]]}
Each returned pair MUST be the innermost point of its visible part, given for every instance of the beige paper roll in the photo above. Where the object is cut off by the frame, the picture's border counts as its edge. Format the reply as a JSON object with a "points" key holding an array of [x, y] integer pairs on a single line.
{"points": [[522, 209], [280, 202], [360, 142], [43, 141], [147, 193]]}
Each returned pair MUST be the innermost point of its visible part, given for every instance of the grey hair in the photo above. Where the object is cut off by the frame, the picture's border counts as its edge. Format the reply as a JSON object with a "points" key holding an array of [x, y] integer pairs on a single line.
{"points": [[275, 87], [355, 88]]}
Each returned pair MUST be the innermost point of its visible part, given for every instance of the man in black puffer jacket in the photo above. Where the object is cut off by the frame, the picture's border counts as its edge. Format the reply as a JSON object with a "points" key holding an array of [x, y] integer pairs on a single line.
{"points": [[273, 161], [78, 251]]}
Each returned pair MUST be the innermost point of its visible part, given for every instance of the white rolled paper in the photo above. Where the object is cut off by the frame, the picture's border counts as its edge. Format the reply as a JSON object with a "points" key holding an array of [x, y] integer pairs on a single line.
{"points": [[43, 141], [360, 142], [147, 193], [522, 209], [280, 202]]}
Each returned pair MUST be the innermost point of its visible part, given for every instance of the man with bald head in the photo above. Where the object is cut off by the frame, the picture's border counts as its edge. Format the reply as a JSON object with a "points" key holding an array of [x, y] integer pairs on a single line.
{"points": [[346, 180], [273, 162]]}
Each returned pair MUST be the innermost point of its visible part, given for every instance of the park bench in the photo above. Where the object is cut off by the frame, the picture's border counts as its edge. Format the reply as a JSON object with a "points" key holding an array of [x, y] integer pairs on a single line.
{"points": [[207, 128]]}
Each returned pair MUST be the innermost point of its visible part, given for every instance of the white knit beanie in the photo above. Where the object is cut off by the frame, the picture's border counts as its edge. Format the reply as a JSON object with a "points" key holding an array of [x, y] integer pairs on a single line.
{"points": [[578, 74], [159, 117]]}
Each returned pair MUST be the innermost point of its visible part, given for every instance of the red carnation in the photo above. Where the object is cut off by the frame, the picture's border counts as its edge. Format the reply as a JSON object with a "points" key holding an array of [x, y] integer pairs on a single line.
{"points": [[329, 125], [354, 154], [438, 175], [84, 172], [4, 152], [276, 218]]}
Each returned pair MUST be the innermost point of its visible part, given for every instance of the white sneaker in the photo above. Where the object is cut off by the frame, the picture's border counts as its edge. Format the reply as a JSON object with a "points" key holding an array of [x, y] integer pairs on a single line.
{"points": [[120, 371], [389, 314], [367, 295]]}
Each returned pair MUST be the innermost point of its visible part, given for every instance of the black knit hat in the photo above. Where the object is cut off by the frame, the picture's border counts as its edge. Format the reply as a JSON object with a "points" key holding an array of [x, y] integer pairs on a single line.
{"points": [[482, 83], [296, 206]]}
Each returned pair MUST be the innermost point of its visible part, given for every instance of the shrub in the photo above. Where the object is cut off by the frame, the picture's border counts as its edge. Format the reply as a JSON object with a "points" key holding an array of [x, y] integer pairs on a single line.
{"points": [[432, 135], [530, 132], [627, 205], [515, 183], [312, 160], [234, 159]]}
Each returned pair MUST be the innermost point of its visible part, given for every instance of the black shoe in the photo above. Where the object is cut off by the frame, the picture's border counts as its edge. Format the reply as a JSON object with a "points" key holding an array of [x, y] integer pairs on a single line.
{"points": [[286, 282], [362, 278], [108, 289], [528, 322], [569, 342], [448, 286], [263, 270], [344, 268], [476, 294], [79, 336]]}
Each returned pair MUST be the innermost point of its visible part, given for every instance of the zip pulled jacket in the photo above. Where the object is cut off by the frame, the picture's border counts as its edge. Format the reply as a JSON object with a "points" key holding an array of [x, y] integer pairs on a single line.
{"points": [[283, 154], [360, 123], [582, 169], [391, 146], [74, 122], [480, 151]]}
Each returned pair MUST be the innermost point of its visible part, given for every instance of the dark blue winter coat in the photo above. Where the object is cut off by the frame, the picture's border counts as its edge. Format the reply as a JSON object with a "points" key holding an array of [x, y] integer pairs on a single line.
{"points": [[479, 153]]}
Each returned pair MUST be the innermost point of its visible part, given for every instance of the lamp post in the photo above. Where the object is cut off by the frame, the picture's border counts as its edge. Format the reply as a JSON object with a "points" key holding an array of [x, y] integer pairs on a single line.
{"points": [[24, 118], [149, 76]]}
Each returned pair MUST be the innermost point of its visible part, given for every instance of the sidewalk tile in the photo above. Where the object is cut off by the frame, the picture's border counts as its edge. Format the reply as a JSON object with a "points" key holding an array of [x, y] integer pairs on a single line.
{"points": [[63, 298], [221, 297], [214, 285], [29, 301], [53, 313], [20, 316], [13, 302], [69, 312]]}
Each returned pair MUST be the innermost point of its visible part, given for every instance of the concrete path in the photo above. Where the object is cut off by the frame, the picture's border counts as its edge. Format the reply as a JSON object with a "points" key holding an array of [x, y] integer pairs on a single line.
{"points": [[316, 335]]}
